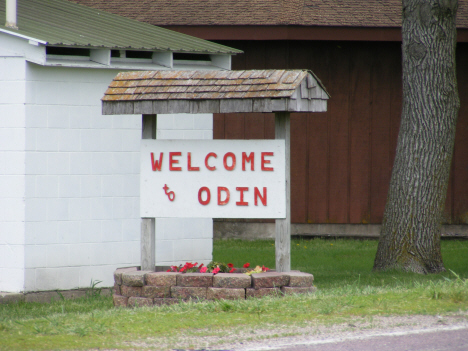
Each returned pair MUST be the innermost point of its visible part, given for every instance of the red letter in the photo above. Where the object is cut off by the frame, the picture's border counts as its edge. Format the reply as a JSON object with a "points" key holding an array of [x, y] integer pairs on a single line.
{"points": [[263, 198], [266, 161], [228, 195], [211, 154], [242, 202], [189, 162], [248, 159], [155, 164], [172, 161], [208, 196], [233, 165]]}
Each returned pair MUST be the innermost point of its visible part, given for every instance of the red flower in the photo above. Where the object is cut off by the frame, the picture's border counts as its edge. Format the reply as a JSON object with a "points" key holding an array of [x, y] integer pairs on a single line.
{"points": [[230, 265], [232, 270], [169, 270], [247, 265], [182, 269], [216, 270], [265, 269], [173, 268], [203, 270]]}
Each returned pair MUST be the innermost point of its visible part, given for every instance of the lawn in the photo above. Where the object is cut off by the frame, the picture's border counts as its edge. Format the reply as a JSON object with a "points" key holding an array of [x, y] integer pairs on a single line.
{"points": [[347, 289]]}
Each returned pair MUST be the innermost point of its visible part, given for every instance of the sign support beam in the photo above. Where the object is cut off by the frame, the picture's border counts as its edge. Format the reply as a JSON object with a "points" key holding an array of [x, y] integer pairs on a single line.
{"points": [[283, 226], [148, 225]]}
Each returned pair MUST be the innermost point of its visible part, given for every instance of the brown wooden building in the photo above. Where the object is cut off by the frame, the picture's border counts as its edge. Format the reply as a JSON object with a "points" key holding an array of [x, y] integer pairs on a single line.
{"points": [[341, 159]]}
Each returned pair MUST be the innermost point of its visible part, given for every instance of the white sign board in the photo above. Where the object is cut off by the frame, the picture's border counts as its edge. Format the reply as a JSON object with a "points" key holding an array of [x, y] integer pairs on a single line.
{"points": [[213, 178]]}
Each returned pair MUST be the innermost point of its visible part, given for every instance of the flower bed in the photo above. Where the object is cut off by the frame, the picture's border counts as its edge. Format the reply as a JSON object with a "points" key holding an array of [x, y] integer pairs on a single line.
{"points": [[133, 287]]}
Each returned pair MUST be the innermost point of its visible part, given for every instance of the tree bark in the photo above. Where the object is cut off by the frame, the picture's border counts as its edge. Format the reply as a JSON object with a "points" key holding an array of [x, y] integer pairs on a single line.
{"points": [[410, 236]]}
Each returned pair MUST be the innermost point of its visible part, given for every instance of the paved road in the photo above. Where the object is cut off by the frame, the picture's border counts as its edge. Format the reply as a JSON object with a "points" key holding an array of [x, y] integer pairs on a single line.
{"points": [[447, 339]]}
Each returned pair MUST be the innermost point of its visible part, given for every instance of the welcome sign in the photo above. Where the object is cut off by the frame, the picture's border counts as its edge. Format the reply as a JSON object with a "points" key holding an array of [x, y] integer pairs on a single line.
{"points": [[213, 178]]}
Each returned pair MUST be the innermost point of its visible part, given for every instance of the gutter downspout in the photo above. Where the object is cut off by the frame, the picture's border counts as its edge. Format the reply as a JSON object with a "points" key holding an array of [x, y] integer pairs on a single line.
{"points": [[11, 14]]}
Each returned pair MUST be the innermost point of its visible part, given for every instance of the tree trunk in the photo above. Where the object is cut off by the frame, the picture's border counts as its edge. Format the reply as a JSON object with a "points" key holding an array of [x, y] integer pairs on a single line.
{"points": [[410, 236]]}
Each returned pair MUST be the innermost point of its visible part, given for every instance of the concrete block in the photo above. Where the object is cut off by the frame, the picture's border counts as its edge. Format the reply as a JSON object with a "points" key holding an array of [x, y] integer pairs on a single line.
{"points": [[58, 163], [12, 139], [225, 294], [47, 186], [79, 209], [36, 163], [165, 251], [194, 134], [156, 291], [162, 278], [130, 291], [68, 278], [184, 121], [101, 208], [91, 186], [102, 163], [140, 302], [120, 301], [14, 162], [80, 163], [80, 117], [232, 280], [12, 186], [13, 209], [116, 289], [90, 231], [119, 271], [47, 139], [57, 255], [134, 278], [90, 140], [40, 233], [57, 116], [203, 121], [185, 293], [69, 186], [111, 231], [165, 301], [195, 279], [112, 185], [170, 134], [300, 279], [250, 292], [57, 209], [69, 140], [35, 256], [11, 297], [269, 280], [36, 211], [46, 278], [111, 139], [36, 116], [288, 290]]}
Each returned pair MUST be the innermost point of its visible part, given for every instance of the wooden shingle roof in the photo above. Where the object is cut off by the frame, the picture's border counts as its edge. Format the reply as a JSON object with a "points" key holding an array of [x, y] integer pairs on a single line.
{"points": [[153, 92]]}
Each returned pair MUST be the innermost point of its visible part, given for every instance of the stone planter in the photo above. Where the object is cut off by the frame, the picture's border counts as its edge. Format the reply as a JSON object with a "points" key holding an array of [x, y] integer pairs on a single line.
{"points": [[133, 287]]}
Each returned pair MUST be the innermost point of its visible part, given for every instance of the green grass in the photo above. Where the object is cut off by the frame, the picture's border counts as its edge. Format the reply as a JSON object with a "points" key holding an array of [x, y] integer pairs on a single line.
{"points": [[335, 263], [342, 269]]}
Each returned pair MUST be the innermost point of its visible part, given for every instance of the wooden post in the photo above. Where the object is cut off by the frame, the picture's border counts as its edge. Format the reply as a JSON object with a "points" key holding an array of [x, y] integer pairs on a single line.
{"points": [[148, 225], [283, 226]]}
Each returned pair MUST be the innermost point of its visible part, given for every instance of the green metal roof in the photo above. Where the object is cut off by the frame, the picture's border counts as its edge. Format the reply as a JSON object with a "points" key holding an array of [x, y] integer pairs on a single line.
{"points": [[63, 23]]}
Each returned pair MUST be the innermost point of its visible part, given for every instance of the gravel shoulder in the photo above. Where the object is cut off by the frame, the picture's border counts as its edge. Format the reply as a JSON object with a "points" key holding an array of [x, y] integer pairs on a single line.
{"points": [[275, 337]]}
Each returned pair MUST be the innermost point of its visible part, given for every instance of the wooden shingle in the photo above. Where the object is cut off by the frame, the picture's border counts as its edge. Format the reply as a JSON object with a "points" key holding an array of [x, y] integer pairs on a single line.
{"points": [[200, 86]]}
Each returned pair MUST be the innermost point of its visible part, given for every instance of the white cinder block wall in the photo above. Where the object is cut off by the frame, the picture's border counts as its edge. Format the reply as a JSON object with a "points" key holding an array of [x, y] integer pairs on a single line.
{"points": [[82, 181], [12, 176], [69, 182]]}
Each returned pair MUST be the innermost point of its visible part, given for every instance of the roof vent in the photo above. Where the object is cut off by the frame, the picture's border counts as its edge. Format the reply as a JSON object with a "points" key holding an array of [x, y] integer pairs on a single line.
{"points": [[11, 14]]}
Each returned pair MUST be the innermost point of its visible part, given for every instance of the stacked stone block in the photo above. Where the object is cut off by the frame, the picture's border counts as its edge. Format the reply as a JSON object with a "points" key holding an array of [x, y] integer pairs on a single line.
{"points": [[135, 288]]}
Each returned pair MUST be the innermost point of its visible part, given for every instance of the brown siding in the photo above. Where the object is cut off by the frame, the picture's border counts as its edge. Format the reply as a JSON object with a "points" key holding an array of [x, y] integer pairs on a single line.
{"points": [[341, 160]]}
